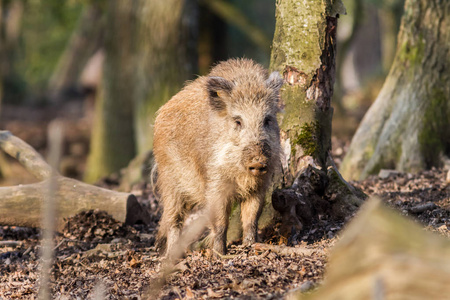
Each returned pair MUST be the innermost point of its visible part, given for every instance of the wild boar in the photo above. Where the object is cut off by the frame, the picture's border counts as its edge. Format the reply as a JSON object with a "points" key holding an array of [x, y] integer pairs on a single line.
{"points": [[215, 142]]}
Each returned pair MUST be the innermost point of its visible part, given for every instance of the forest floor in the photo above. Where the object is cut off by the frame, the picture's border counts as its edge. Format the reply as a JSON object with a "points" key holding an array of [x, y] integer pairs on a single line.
{"points": [[97, 257]]}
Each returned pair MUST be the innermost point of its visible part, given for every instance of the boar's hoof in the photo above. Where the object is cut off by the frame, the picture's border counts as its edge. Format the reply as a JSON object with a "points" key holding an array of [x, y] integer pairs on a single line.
{"points": [[249, 240]]}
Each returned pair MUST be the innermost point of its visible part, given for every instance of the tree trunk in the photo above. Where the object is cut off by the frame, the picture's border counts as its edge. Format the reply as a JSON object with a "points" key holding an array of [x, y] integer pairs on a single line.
{"points": [[407, 127], [304, 52], [167, 51], [113, 141], [86, 39]]}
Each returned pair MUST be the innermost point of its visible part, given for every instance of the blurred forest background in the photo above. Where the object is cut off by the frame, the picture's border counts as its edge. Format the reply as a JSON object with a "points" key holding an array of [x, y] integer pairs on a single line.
{"points": [[104, 67]]}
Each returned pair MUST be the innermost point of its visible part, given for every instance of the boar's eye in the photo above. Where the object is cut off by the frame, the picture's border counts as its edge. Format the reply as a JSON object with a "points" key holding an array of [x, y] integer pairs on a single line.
{"points": [[237, 122]]}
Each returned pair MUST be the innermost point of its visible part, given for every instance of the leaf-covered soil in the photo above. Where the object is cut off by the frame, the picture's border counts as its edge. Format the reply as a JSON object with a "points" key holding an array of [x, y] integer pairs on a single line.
{"points": [[96, 256]]}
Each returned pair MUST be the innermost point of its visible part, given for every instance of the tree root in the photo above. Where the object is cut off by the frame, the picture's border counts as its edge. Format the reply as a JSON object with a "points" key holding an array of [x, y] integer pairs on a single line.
{"points": [[315, 193]]}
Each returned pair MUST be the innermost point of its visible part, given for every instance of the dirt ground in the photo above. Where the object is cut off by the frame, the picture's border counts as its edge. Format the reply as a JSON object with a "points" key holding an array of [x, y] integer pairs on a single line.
{"points": [[97, 257]]}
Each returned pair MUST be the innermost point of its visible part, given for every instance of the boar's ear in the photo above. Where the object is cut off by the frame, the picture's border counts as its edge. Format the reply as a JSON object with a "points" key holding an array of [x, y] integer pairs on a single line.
{"points": [[274, 81], [217, 88]]}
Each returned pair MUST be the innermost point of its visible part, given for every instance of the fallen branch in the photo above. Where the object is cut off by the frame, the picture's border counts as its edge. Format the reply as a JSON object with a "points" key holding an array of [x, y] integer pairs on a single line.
{"points": [[25, 155], [10, 243], [21, 205]]}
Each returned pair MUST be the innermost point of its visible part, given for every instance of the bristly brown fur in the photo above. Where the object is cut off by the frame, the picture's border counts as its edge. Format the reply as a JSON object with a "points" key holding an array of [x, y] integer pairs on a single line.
{"points": [[216, 141]]}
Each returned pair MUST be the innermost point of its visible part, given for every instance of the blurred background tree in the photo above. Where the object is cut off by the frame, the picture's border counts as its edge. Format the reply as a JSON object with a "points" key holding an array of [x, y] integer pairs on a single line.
{"points": [[366, 47], [41, 31], [85, 40], [10, 29], [407, 128], [150, 51], [113, 141]]}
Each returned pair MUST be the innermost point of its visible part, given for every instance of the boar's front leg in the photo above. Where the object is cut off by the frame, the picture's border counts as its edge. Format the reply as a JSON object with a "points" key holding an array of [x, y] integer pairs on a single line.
{"points": [[219, 211], [251, 209]]}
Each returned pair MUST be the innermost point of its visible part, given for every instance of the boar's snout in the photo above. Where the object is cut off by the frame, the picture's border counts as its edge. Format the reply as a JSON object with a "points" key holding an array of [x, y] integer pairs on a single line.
{"points": [[256, 158], [257, 168]]}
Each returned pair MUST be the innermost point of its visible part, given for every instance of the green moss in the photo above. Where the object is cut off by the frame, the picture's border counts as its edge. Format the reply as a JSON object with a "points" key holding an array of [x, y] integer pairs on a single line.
{"points": [[306, 138], [434, 137], [412, 53], [297, 109]]}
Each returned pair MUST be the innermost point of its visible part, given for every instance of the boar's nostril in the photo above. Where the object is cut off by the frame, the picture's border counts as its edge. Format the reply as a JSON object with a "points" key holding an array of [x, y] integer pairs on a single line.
{"points": [[257, 168]]}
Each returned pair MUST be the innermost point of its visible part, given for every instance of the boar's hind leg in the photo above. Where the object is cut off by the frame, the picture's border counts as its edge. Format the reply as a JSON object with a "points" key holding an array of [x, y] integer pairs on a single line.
{"points": [[251, 209], [219, 215]]}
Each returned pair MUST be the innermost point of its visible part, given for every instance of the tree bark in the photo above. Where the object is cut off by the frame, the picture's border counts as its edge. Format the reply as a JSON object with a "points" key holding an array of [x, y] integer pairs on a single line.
{"points": [[167, 57], [113, 142], [22, 205], [407, 126], [304, 50], [86, 39]]}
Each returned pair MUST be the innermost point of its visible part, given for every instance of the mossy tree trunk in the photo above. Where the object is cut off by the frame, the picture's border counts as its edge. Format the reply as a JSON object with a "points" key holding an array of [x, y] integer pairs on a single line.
{"points": [[407, 127], [113, 143], [167, 51], [304, 51]]}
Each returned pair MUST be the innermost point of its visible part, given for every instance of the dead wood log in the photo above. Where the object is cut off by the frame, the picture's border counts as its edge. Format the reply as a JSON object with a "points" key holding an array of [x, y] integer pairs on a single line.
{"points": [[382, 255], [21, 205]]}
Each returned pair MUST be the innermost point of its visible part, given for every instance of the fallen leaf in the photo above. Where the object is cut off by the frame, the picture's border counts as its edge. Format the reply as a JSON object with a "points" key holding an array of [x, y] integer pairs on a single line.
{"points": [[189, 293]]}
